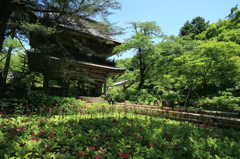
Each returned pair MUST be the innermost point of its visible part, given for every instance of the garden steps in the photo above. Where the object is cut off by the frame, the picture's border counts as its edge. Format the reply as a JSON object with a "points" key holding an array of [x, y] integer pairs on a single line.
{"points": [[92, 99]]}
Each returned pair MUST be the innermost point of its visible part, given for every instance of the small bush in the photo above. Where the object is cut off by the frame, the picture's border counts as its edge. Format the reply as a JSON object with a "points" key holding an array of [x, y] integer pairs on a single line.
{"points": [[131, 95], [36, 104], [221, 103]]}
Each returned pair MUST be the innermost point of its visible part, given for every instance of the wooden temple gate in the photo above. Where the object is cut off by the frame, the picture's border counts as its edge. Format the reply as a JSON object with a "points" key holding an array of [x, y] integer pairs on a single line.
{"points": [[91, 78]]}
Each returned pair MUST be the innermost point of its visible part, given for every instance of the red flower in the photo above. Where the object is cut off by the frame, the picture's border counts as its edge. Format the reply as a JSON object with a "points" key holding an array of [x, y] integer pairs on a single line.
{"points": [[82, 154], [35, 139], [92, 148], [216, 135], [124, 155], [102, 150], [150, 144], [52, 135], [114, 121], [13, 133], [98, 157], [33, 134], [43, 133]]}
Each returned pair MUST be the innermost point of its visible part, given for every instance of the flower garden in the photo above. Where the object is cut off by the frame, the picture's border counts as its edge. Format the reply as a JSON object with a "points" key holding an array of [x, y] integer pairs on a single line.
{"points": [[69, 128]]}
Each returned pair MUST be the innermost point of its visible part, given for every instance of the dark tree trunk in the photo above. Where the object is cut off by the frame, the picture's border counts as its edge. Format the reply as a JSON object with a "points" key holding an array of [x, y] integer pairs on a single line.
{"points": [[7, 65], [142, 71], [3, 82], [6, 9], [205, 88], [141, 83]]}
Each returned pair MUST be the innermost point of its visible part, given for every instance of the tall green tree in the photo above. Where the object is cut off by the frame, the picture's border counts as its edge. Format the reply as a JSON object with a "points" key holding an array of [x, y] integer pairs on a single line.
{"points": [[142, 42], [195, 27]]}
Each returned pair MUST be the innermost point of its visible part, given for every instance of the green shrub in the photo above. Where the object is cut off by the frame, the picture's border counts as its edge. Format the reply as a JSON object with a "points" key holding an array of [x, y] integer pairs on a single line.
{"points": [[221, 103], [37, 104], [131, 95], [172, 98]]}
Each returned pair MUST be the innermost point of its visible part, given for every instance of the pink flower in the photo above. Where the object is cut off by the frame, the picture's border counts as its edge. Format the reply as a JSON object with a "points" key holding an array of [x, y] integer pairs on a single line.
{"points": [[92, 148], [33, 134], [102, 150], [98, 157], [150, 144], [124, 155], [35, 139], [18, 130]]}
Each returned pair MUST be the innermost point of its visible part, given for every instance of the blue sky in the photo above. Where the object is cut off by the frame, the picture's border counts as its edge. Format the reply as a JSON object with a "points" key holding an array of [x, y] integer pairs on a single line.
{"points": [[170, 15]]}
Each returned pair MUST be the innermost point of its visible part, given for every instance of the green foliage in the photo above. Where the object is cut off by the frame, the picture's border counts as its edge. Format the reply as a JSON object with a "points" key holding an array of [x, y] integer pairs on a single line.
{"points": [[212, 63], [221, 103], [13, 43], [116, 94], [185, 70], [172, 98], [38, 27], [132, 95], [195, 27], [37, 104], [103, 131]]}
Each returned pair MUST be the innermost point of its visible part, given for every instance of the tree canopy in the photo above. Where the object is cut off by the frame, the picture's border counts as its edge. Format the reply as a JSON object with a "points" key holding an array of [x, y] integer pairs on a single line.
{"points": [[195, 27], [142, 42]]}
